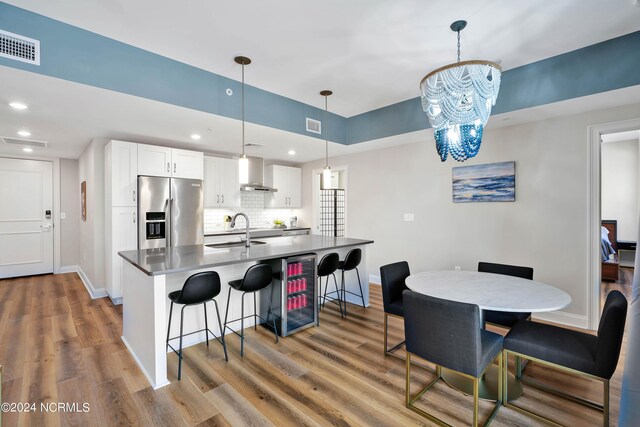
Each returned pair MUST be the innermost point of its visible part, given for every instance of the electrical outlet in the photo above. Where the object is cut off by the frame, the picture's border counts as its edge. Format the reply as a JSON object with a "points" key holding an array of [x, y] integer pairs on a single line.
{"points": [[457, 268], [409, 217], [63, 215]]}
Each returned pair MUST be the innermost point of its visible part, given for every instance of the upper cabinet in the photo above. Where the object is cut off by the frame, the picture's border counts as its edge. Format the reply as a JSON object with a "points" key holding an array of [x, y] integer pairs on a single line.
{"points": [[187, 164], [221, 183], [122, 170], [154, 160], [170, 162], [288, 181]]}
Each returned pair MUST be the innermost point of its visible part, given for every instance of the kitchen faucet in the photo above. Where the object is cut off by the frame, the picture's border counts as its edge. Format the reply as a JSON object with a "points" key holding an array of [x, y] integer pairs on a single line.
{"points": [[247, 241]]}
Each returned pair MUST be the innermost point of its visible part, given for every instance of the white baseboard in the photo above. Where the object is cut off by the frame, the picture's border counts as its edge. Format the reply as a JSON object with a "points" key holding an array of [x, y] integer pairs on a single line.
{"points": [[68, 269], [375, 279], [563, 318], [144, 371], [94, 293]]}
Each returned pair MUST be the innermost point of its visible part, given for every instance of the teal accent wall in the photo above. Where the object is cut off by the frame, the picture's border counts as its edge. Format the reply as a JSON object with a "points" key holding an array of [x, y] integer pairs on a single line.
{"points": [[80, 56]]}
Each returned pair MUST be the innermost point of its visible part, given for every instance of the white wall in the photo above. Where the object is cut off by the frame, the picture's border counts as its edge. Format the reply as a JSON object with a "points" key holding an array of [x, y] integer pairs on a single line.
{"points": [[70, 206], [619, 185], [546, 228], [92, 244]]}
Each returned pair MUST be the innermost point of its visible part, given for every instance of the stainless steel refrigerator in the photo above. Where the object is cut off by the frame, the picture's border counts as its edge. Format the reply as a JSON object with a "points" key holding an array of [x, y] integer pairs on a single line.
{"points": [[170, 211]]}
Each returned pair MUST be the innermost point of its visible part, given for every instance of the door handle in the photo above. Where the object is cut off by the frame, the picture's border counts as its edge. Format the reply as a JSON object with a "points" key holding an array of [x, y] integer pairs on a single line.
{"points": [[223, 198], [217, 198], [168, 167], [134, 217], [174, 168], [46, 226], [134, 195]]}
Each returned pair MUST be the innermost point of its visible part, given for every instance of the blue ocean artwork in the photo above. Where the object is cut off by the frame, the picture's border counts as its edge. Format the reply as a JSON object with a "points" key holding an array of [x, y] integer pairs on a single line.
{"points": [[493, 182]]}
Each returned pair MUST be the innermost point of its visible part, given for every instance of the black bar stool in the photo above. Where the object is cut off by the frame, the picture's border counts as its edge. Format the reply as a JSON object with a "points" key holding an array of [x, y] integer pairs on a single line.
{"points": [[199, 288], [327, 267], [351, 262], [256, 277]]}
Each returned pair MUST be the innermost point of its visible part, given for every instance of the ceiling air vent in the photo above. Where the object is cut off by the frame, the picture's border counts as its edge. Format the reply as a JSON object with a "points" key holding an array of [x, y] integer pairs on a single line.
{"points": [[20, 48], [314, 126], [24, 142]]}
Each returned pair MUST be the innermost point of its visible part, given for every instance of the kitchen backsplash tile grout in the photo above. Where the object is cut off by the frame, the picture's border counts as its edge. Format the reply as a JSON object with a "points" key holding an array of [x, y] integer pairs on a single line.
{"points": [[252, 203]]}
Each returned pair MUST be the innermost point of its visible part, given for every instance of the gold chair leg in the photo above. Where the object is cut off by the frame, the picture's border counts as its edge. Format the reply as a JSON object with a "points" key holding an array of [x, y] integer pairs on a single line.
{"points": [[408, 370], [606, 404], [386, 319], [505, 377], [500, 376], [475, 402]]}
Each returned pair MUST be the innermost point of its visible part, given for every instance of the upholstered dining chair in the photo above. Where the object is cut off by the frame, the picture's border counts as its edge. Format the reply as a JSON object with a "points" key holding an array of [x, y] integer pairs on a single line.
{"points": [[579, 353], [392, 279], [503, 318], [449, 334]]}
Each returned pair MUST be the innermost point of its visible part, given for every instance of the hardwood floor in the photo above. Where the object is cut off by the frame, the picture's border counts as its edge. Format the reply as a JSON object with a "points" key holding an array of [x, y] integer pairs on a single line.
{"points": [[58, 345]]}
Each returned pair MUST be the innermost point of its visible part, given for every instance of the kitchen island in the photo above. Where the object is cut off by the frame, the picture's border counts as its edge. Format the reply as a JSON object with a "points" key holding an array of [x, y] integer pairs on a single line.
{"points": [[149, 275]]}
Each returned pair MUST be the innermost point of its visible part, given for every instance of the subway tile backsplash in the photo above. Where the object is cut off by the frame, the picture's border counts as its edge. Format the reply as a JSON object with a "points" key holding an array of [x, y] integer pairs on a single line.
{"points": [[252, 203]]}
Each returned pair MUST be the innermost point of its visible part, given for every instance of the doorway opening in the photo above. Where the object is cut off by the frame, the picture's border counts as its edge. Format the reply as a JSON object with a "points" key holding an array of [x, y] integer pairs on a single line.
{"points": [[619, 195], [614, 210]]}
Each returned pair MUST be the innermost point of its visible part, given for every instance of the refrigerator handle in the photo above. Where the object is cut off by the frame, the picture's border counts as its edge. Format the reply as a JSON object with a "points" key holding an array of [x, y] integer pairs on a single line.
{"points": [[167, 211]]}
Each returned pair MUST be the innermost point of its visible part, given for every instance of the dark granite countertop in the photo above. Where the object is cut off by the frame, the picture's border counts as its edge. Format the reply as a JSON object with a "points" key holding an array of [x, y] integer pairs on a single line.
{"points": [[253, 231], [160, 261]]}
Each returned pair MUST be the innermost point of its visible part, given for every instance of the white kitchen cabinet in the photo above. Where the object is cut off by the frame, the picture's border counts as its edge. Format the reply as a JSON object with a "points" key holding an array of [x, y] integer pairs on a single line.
{"points": [[121, 162], [288, 181], [187, 164], [123, 237], [154, 160], [221, 183]]}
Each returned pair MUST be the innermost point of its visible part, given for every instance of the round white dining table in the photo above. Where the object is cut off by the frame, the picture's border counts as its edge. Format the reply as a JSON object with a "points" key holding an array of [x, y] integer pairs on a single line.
{"points": [[488, 291]]}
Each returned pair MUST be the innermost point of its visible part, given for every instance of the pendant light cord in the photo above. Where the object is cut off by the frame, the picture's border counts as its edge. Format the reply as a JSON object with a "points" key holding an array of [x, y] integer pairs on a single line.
{"points": [[458, 45], [243, 108], [326, 134]]}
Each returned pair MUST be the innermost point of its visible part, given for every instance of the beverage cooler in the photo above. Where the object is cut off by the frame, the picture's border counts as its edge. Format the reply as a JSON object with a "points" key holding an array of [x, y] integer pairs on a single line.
{"points": [[294, 300]]}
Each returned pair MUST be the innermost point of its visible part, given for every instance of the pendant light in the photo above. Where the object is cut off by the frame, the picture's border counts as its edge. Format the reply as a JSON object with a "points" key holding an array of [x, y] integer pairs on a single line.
{"points": [[326, 173], [243, 162], [458, 99]]}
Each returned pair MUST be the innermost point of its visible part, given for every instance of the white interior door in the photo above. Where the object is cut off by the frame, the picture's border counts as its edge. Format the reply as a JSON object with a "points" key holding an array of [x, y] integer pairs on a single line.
{"points": [[26, 231]]}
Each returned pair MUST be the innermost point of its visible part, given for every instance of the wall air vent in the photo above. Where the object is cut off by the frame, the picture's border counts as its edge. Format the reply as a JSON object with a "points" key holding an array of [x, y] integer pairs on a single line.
{"points": [[24, 142], [19, 48], [314, 126]]}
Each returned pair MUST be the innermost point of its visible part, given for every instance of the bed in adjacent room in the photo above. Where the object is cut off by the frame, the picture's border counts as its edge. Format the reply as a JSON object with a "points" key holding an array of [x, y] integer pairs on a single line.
{"points": [[609, 250]]}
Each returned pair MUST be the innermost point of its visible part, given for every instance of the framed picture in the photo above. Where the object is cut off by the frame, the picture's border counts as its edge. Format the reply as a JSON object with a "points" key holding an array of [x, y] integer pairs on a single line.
{"points": [[492, 182], [83, 200]]}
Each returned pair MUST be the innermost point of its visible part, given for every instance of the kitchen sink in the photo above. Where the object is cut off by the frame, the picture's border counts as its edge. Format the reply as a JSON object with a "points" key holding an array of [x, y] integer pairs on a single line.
{"points": [[233, 244]]}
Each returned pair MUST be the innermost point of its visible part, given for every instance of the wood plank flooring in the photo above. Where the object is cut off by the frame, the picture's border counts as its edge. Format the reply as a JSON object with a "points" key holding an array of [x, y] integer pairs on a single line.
{"points": [[58, 345]]}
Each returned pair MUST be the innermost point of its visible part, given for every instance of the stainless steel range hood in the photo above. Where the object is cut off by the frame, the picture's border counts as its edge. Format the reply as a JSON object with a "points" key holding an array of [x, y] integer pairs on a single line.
{"points": [[256, 177]]}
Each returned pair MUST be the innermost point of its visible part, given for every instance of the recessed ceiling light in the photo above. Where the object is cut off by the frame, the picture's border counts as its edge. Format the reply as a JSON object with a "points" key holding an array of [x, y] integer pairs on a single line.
{"points": [[24, 133], [18, 105], [27, 149], [292, 153], [195, 137]]}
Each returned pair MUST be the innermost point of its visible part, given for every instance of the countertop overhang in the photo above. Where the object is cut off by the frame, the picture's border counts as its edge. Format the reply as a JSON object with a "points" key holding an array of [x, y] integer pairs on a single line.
{"points": [[154, 262]]}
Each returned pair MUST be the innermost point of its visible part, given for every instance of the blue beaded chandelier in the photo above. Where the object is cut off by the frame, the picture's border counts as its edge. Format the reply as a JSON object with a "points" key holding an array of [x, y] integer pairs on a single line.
{"points": [[458, 99]]}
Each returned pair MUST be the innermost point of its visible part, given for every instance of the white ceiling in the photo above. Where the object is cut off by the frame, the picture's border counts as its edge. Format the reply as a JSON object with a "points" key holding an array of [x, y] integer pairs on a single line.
{"points": [[371, 53]]}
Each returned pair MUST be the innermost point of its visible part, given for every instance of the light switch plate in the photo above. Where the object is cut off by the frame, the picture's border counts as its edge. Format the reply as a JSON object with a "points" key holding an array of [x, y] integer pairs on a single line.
{"points": [[457, 268], [63, 215], [409, 217]]}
